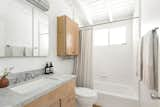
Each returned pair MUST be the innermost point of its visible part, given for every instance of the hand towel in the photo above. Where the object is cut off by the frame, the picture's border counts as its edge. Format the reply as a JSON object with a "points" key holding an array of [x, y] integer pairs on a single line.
{"points": [[17, 51], [27, 51], [148, 60], [8, 51]]}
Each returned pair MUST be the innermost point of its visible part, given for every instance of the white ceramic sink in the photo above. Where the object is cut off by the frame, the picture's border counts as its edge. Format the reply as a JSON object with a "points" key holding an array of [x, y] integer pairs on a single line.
{"points": [[61, 77], [35, 86]]}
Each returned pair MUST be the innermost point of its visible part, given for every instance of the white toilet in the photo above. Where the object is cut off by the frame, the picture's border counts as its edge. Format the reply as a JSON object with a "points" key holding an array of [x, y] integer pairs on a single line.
{"points": [[85, 97]]}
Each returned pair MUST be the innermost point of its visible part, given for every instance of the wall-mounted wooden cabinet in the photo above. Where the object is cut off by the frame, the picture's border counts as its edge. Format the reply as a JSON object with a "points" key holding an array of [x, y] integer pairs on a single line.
{"points": [[67, 37]]}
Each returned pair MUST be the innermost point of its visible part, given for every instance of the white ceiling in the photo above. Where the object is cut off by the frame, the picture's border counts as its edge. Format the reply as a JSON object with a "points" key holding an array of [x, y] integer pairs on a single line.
{"points": [[98, 11]]}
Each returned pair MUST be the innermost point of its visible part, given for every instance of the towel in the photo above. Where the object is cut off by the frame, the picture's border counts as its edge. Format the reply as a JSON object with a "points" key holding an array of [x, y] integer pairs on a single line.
{"points": [[148, 60], [17, 51], [27, 51], [8, 51], [155, 59]]}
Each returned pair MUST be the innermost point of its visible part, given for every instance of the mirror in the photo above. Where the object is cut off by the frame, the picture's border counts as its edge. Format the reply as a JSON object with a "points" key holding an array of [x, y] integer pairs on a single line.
{"points": [[23, 30]]}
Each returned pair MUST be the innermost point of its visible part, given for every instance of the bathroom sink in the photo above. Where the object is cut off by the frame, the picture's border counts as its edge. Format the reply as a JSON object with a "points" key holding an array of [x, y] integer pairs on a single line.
{"points": [[61, 77], [35, 86]]}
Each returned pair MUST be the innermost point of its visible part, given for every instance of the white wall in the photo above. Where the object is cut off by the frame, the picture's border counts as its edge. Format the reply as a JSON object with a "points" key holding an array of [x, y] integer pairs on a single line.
{"points": [[115, 63], [57, 7], [2, 42], [150, 19], [135, 39]]}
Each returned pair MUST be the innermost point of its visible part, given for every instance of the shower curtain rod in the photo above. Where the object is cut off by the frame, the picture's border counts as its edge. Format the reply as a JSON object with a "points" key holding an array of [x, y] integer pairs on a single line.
{"points": [[109, 22]]}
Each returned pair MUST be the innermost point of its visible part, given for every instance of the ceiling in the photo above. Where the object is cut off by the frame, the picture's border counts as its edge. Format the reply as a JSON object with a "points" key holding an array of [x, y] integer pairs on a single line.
{"points": [[98, 11]]}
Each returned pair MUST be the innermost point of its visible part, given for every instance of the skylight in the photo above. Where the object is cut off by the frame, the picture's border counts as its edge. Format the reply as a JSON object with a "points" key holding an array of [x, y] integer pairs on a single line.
{"points": [[107, 10]]}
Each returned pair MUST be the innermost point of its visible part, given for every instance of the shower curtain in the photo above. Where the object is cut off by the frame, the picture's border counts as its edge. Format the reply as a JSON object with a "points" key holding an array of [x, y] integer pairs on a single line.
{"points": [[83, 62]]}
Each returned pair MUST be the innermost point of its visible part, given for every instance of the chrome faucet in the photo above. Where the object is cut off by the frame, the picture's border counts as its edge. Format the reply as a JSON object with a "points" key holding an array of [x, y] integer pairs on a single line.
{"points": [[28, 76]]}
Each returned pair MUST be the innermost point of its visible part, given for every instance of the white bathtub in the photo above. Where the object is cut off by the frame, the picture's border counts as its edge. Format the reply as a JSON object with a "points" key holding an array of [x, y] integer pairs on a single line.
{"points": [[116, 95]]}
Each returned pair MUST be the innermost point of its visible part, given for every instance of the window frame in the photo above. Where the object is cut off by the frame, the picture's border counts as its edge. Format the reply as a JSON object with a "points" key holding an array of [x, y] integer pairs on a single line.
{"points": [[109, 36]]}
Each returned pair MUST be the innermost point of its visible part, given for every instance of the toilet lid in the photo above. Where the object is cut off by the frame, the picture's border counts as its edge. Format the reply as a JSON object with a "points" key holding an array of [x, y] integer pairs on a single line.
{"points": [[85, 92]]}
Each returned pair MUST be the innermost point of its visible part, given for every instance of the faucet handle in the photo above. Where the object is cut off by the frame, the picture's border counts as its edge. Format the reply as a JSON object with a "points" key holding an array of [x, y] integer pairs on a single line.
{"points": [[29, 76]]}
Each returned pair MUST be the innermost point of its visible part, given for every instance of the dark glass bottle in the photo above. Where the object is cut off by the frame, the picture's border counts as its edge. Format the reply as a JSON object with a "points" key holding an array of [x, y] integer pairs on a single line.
{"points": [[47, 69], [51, 67]]}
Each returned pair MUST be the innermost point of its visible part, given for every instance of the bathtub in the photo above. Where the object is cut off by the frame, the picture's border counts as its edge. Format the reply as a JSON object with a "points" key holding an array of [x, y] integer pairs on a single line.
{"points": [[116, 95]]}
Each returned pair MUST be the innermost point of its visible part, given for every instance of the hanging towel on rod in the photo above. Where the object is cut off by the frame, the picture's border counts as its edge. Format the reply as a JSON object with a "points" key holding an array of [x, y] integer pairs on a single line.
{"points": [[17, 51], [148, 60], [27, 51]]}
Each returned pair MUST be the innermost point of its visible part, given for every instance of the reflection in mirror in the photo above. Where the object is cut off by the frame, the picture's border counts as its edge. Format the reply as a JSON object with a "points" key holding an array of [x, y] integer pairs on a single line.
{"points": [[23, 30], [40, 43], [15, 24]]}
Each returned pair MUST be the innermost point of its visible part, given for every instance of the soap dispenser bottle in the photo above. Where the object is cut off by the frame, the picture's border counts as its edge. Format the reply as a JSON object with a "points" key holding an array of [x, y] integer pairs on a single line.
{"points": [[51, 67], [47, 69]]}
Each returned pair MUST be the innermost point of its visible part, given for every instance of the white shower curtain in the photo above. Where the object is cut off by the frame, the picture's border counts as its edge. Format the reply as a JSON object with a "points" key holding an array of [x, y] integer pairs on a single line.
{"points": [[83, 62]]}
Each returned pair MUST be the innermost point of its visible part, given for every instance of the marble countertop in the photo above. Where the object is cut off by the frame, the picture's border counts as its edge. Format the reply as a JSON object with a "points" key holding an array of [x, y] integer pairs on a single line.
{"points": [[10, 98]]}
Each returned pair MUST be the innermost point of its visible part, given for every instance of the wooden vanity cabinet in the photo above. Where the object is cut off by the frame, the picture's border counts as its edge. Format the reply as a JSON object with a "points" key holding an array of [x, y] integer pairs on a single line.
{"points": [[67, 37], [64, 96]]}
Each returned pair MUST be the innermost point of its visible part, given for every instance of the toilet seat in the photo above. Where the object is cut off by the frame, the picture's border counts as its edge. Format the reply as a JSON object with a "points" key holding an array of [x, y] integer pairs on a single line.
{"points": [[85, 97], [85, 92]]}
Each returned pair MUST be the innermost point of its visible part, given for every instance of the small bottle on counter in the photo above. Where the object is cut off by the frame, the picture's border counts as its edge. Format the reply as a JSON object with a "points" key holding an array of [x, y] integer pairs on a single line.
{"points": [[51, 67], [47, 69]]}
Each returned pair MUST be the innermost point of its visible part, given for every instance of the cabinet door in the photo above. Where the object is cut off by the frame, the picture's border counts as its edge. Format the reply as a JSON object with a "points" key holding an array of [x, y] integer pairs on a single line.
{"points": [[68, 101], [61, 35], [69, 37], [72, 37], [56, 104]]}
